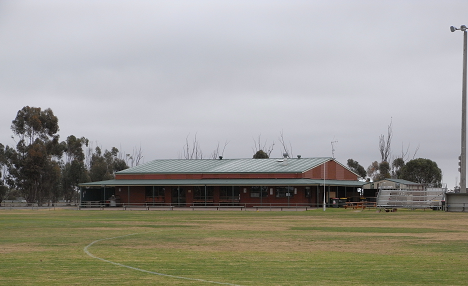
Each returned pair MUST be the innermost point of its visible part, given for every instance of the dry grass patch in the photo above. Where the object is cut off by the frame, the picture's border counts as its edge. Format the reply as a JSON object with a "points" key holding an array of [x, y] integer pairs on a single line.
{"points": [[20, 247]]}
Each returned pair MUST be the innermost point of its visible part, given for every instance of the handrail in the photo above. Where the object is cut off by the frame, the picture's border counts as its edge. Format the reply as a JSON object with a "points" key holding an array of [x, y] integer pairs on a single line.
{"points": [[161, 205]]}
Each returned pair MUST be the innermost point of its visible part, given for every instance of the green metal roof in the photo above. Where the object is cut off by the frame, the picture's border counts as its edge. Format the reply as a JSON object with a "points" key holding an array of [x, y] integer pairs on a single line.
{"points": [[400, 181], [216, 166], [225, 182]]}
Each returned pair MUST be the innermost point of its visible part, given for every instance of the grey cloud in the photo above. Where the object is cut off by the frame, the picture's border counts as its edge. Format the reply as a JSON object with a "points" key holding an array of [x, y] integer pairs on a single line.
{"points": [[150, 73]]}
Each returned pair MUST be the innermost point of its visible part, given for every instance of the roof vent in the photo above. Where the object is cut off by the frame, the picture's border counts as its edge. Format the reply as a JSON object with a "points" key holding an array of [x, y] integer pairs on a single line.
{"points": [[298, 156], [220, 157], [284, 161]]}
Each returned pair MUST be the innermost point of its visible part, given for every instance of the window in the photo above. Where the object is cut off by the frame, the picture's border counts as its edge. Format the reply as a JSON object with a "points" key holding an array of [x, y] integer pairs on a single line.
{"points": [[258, 192], [283, 192], [158, 191], [226, 192], [229, 194], [203, 193]]}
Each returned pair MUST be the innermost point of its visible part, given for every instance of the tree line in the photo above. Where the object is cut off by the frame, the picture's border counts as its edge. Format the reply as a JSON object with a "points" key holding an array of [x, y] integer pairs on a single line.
{"points": [[419, 170], [41, 168]]}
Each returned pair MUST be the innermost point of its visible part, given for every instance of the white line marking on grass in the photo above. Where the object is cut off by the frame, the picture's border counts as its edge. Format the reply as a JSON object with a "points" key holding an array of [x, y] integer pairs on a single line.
{"points": [[85, 249]]}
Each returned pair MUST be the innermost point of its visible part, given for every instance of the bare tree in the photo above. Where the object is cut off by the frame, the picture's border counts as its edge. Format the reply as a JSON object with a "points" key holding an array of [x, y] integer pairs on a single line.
{"points": [[89, 154], [384, 169], [134, 159], [286, 150], [263, 147], [216, 152], [415, 152], [385, 145], [192, 150], [399, 162]]}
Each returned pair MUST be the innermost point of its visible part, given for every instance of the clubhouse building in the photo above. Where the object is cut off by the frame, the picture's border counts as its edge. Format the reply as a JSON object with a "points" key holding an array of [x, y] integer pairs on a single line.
{"points": [[227, 182]]}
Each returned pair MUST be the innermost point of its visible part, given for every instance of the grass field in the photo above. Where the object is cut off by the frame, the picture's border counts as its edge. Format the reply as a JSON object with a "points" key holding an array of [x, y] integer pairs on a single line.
{"points": [[336, 247]]}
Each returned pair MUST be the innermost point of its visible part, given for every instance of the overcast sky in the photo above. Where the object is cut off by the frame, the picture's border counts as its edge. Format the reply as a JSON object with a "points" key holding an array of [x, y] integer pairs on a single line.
{"points": [[151, 74]]}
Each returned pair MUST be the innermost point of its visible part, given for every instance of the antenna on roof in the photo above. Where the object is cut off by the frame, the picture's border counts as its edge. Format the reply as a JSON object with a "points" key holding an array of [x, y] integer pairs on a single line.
{"points": [[333, 148]]}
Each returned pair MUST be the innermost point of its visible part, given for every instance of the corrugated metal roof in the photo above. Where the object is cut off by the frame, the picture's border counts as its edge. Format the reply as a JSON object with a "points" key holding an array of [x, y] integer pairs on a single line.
{"points": [[401, 181], [227, 166], [225, 182]]}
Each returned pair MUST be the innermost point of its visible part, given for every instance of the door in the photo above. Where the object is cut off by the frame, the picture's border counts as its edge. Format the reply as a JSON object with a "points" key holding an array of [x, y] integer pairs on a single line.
{"points": [[178, 196]]}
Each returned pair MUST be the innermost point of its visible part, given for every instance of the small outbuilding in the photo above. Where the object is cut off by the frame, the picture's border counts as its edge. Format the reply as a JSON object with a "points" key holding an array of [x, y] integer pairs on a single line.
{"points": [[456, 202], [390, 183]]}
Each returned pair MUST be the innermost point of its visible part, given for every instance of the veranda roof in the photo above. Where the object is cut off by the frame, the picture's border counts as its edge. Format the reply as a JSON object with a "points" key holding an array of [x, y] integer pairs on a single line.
{"points": [[226, 182]]}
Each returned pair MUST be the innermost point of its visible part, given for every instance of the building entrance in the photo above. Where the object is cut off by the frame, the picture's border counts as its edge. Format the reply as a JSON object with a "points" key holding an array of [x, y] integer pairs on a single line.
{"points": [[178, 197]]}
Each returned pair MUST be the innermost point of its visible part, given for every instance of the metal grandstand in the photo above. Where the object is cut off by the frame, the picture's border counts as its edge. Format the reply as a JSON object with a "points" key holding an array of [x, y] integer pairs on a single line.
{"points": [[411, 198]]}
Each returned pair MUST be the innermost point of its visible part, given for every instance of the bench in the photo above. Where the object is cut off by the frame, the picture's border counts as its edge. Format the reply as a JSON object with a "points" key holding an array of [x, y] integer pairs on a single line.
{"points": [[281, 207], [370, 205], [360, 205], [147, 206], [217, 207], [155, 200], [92, 204]]}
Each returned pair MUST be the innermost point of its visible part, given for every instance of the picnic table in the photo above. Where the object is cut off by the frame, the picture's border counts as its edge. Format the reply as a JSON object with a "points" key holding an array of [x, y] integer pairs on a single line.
{"points": [[360, 205]]}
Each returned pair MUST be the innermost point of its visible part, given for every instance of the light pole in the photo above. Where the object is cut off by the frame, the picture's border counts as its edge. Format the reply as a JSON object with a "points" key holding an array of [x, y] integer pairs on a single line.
{"points": [[324, 192], [463, 127]]}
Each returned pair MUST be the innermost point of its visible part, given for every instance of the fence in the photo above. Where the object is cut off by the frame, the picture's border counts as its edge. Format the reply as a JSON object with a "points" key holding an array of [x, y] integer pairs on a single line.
{"points": [[181, 206], [14, 204]]}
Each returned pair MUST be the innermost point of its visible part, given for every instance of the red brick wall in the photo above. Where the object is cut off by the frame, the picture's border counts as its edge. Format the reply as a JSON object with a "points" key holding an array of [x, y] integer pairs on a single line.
{"points": [[137, 194], [333, 171]]}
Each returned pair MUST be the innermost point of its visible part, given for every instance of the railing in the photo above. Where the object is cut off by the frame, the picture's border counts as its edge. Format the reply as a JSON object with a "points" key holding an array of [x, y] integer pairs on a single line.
{"points": [[411, 205], [34, 206], [199, 205], [200, 200]]}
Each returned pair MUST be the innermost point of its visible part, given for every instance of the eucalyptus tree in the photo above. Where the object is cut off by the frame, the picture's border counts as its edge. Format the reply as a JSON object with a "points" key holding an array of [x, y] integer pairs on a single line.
{"points": [[73, 167], [357, 168], [104, 165], [260, 154], [33, 165], [423, 171], [397, 165], [3, 187]]}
